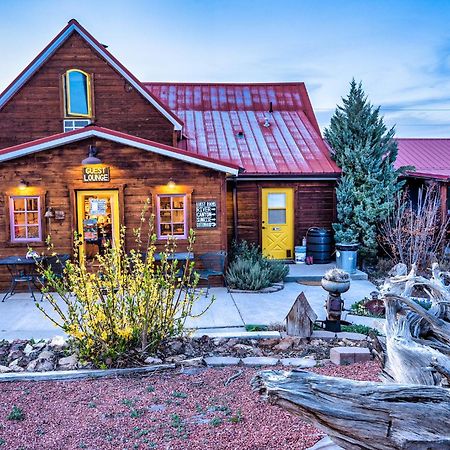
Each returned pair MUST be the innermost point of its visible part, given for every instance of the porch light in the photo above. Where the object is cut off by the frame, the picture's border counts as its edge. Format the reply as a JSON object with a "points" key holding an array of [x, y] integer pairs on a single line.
{"points": [[49, 214], [23, 184], [171, 184], [92, 157]]}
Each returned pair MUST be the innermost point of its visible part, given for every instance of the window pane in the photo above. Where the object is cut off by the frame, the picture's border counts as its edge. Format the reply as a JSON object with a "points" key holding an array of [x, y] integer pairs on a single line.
{"points": [[33, 218], [165, 217], [178, 203], [19, 233], [277, 216], [276, 200], [164, 202], [165, 229], [78, 91], [178, 216], [32, 204], [33, 232], [178, 229], [19, 219], [19, 204]]}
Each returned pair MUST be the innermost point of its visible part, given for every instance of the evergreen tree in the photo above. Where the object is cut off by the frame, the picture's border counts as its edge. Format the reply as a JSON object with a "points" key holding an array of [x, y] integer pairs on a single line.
{"points": [[365, 151]]}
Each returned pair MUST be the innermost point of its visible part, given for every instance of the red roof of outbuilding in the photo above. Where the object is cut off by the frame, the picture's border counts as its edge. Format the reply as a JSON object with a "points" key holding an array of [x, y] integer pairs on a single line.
{"points": [[430, 156], [226, 122]]}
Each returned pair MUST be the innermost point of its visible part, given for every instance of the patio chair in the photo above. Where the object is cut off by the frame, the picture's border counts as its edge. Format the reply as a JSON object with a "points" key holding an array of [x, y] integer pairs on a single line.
{"points": [[57, 263], [213, 265]]}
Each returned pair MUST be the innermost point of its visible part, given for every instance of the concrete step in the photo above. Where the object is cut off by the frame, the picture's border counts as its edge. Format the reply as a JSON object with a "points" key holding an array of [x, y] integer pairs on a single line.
{"points": [[315, 272]]}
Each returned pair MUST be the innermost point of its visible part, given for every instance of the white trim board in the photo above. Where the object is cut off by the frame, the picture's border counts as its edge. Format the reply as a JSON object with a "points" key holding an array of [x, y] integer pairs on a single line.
{"points": [[121, 140]]}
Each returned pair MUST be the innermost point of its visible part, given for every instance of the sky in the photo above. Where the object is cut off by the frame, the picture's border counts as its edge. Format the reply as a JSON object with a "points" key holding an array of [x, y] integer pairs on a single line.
{"points": [[399, 49]]}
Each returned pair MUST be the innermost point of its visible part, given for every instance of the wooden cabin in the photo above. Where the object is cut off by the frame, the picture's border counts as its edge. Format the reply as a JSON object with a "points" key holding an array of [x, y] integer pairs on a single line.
{"points": [[84, 143]]}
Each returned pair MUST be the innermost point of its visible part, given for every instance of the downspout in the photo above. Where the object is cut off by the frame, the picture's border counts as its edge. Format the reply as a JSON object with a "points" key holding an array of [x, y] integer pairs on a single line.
{"points": [[235, 211]]}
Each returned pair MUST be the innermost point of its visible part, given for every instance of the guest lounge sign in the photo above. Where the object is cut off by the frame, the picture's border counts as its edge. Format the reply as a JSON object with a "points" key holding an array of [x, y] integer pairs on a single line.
{"points": [[94, 174], [206, 214]]}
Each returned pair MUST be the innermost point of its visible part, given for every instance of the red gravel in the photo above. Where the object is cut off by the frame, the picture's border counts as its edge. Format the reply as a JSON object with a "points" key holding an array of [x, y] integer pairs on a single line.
{"points": [[163, 411]]}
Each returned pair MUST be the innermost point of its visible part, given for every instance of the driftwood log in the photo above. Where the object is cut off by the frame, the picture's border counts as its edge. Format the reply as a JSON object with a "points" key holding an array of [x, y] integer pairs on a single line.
{"points": [[411, 409]]}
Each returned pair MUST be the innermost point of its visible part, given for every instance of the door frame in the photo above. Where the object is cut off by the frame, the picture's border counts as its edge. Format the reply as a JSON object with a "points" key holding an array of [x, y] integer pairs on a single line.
{"points": [[278, 187], [116, 210]]}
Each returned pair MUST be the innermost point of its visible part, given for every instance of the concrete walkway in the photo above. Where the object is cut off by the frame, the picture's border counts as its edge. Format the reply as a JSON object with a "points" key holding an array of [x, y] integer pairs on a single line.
{"points": [[20, 319]]}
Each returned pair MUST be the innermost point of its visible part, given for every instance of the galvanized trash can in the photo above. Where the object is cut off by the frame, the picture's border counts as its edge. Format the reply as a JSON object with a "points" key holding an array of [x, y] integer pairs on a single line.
{"points": [[347, 257]]}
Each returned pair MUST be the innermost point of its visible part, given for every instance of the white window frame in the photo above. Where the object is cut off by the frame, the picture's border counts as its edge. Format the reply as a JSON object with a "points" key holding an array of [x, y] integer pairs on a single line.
{"points": [[75, 124], [185, 216]]}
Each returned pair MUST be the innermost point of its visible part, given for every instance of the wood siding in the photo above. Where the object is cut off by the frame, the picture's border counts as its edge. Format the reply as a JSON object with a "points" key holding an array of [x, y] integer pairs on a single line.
{"points": [[314, 205], [135, 173], [37, 110]]}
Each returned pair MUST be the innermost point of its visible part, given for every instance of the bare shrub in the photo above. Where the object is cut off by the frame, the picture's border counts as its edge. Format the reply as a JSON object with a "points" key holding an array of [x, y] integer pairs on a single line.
{"points": [[415, 234]]}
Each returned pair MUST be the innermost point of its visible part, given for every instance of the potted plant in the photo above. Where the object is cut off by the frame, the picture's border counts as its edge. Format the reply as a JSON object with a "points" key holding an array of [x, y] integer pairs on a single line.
{"points": [[336, 281]]}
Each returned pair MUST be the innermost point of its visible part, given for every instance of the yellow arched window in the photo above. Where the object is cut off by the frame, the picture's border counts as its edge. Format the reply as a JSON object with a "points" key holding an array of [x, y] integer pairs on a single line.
{"points": [[77, 86]]}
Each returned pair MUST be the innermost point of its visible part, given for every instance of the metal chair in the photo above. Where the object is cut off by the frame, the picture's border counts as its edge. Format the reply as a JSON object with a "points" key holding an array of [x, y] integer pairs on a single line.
{"points": [[213, 265], [57, 264]]}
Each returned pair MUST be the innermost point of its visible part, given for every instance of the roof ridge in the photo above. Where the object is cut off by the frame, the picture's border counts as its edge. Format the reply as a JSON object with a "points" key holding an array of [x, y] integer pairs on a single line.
{"points": [[227, 83]]}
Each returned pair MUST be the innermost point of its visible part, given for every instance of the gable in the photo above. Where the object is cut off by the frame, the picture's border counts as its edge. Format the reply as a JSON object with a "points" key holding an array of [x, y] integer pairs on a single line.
{"points": [[31, 107]]}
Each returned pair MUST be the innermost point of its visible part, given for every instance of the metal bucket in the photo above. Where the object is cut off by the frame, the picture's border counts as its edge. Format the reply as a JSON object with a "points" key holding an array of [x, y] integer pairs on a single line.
{"points": [[347, 257]]}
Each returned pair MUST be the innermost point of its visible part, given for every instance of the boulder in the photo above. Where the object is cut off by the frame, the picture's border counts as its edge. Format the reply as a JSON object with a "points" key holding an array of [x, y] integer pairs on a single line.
{"points": [[284, 345], [68, 362], [151, 360], [5, 369], [40, 365]]}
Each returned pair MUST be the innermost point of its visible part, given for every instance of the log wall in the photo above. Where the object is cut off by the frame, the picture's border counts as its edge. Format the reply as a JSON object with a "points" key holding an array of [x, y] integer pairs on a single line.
{"points": [[135, 173]]}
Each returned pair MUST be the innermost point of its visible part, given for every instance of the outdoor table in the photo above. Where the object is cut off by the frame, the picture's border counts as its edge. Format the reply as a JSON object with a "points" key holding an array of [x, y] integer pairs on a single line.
{"points": [[22, 271]]}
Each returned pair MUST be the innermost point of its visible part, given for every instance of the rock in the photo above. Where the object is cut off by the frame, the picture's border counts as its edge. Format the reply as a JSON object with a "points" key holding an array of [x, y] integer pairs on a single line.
{"points": [[46, 354], [15, 354], [298, 362], [16, 368], [268, 342], [255, 361], [17, 345], [175, 358], [58, 343], [193, 362], [221, 361], [349, 355], [284, 345], [40, 365], [39, 345], [152, 360], [175, 347], [5, 369], [68, 362], [325, 444], [28, 349], [219, 341], [256, 351], [242, 349], [15, 362]]}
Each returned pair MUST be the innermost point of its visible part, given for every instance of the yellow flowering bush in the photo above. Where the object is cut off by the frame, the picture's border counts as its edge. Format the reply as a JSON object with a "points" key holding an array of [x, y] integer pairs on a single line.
{"points": [[128, 305]]}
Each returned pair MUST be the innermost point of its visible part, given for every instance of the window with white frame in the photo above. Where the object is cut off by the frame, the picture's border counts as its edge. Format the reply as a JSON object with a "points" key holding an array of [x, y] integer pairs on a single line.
{"points": [[25, 218], [171, 215], [71, 125]]}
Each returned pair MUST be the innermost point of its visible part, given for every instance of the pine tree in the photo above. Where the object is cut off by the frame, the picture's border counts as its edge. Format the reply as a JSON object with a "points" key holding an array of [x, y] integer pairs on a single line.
{"points": [[365, 151]]}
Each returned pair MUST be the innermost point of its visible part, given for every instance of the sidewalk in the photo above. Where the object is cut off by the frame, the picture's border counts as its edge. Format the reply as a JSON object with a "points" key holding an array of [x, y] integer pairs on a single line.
{"points": [[20, 319]]}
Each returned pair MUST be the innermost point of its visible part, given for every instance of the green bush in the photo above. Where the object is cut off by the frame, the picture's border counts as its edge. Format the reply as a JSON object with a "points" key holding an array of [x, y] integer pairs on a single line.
{"points": [[250, 270]]}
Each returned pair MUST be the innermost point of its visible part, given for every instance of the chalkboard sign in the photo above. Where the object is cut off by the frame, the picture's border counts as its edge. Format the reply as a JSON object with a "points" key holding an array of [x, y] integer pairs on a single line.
{"points": [[206, 214]]}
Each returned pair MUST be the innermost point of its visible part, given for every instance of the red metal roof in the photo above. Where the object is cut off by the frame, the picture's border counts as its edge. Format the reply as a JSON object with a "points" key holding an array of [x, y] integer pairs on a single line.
{"points": [[226, 122], [430, 156]]}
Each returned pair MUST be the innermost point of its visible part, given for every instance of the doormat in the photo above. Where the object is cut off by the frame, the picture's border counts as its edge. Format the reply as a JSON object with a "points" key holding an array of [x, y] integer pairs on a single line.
{"points": [[310, 283]]}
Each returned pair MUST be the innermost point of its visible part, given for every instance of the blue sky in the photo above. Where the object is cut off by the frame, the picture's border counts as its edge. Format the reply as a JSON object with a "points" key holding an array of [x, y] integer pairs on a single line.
{"points": [[399, 49]]}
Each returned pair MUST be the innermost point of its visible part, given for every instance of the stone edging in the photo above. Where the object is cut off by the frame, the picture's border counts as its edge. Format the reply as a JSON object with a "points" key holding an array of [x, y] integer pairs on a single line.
{"points": [[56, 375], [275, 287]]}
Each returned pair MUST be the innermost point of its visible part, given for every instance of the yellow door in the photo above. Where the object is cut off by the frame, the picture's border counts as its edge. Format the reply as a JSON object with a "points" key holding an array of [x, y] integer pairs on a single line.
{"points": [[278, 223], [97, 221]]}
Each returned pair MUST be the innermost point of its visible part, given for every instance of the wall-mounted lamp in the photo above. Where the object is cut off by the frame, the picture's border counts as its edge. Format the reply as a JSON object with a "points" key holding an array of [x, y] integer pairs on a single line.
{"points": [[23, 184], [49, 214], [92, 157], [171, 184]]}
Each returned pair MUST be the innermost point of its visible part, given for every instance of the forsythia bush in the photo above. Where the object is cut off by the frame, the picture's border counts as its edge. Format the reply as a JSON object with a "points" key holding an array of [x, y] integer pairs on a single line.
{"points": [[128, 305]]}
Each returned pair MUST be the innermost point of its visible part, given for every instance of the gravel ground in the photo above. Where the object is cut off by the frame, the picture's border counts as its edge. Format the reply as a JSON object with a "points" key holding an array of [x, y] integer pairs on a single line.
{"points": [[172, 410]]}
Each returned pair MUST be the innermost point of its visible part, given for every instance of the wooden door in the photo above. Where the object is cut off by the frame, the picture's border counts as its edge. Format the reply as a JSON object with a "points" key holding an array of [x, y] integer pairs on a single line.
{"points": [[97, 220], [278, 223]]}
